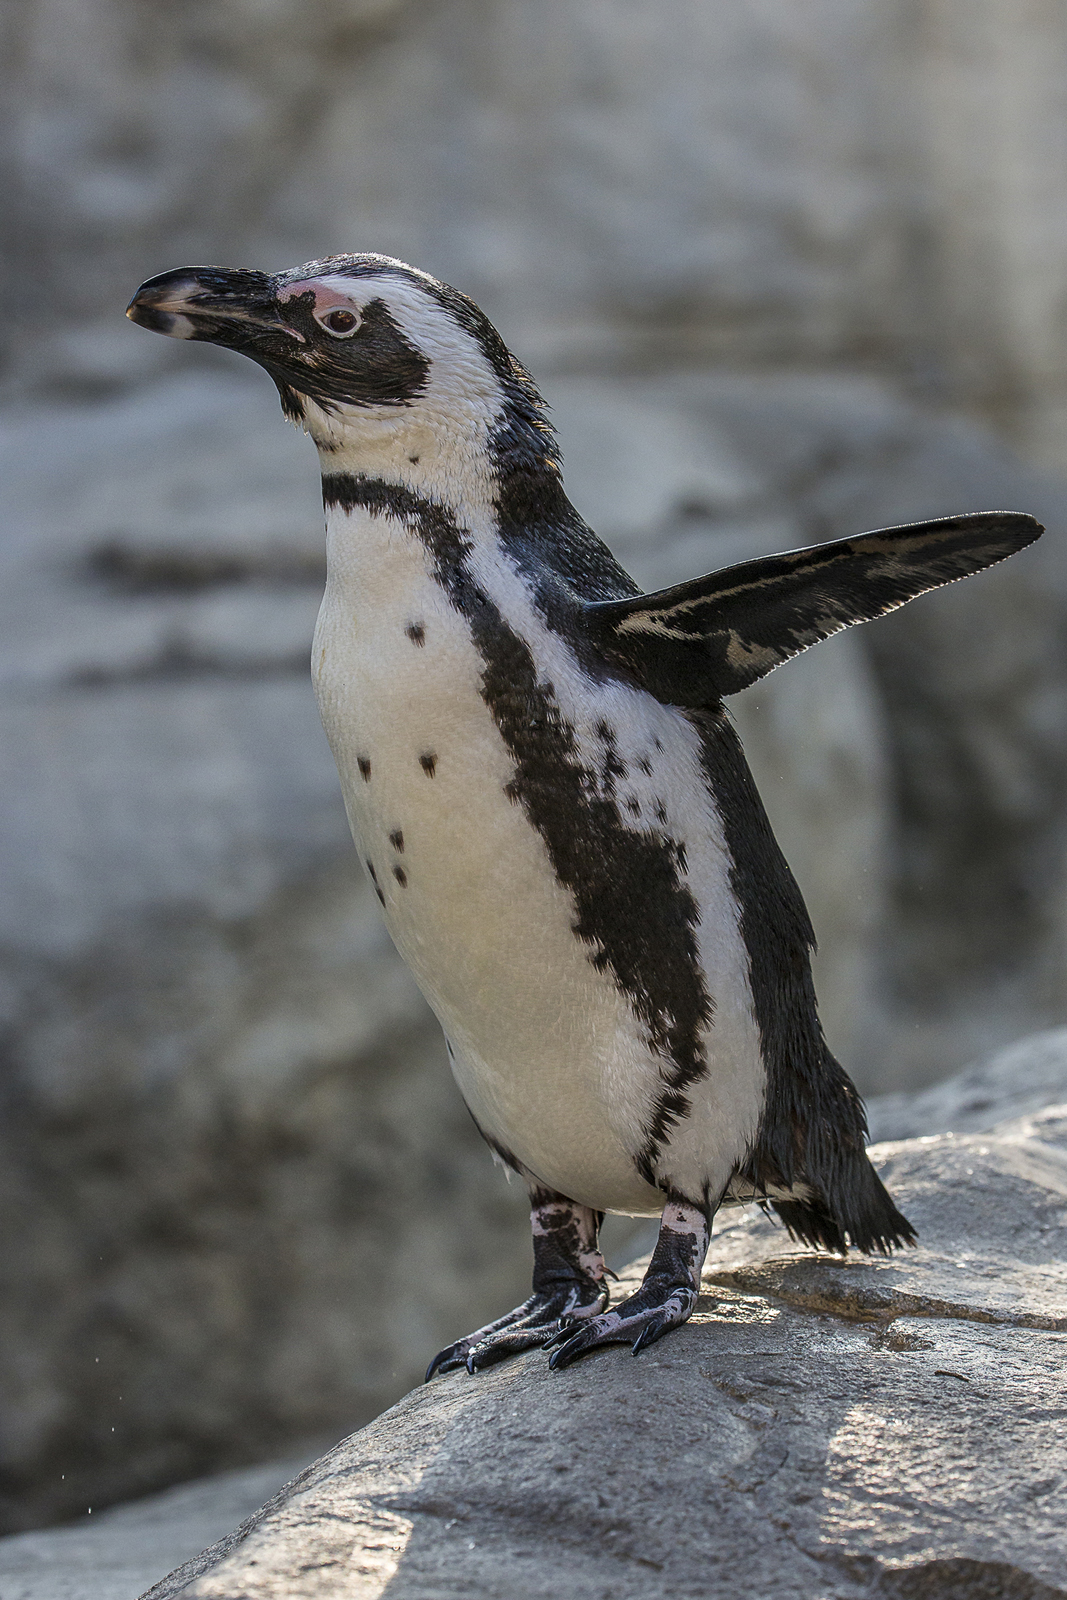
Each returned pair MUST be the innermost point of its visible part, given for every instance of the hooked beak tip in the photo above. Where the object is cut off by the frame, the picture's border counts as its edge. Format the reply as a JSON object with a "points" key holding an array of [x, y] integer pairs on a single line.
{"points": [[160, 303]]}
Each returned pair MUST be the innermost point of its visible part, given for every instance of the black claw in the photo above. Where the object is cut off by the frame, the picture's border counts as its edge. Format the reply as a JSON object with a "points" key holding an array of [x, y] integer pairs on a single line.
{"points": [[487, 1355], [577, 1337], [443, 1361], [571, 1349], [649, 1334], [484, 1355]]}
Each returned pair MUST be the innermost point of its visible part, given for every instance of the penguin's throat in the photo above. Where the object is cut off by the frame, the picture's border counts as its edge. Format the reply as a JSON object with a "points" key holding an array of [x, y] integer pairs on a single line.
{"points": [[439, 456]]}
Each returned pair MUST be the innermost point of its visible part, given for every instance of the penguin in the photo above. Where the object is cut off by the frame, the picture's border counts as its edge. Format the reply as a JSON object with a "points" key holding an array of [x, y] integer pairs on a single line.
{"points": [[550, 798]]}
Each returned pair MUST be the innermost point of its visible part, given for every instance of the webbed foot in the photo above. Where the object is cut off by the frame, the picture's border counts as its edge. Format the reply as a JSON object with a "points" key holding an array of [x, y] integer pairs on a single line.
{"points": [[639, 1321], [529, 1325], [665, 1299], [569, 1281]]}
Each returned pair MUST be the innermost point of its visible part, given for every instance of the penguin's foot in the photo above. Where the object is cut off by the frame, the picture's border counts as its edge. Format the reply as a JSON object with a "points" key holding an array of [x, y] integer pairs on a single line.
{"points": [[569, 1281], [665, 1299], [528, 1326], [639, 1321]]}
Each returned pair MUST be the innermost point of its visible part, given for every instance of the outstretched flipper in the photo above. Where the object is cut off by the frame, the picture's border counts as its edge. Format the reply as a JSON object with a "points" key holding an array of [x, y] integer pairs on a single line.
{"points": [[691, 644], [569, 1280], [665, 1299]]}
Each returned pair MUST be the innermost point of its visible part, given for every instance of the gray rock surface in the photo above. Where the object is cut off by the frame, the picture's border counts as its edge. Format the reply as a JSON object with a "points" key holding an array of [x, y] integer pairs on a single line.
{"points": [[840, 1411], [1016, 1082], [829, 1428], [114, 1555]]}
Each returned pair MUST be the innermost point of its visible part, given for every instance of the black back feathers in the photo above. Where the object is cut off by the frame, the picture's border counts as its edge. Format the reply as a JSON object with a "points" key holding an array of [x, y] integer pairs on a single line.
{"points": [[691, 644]]}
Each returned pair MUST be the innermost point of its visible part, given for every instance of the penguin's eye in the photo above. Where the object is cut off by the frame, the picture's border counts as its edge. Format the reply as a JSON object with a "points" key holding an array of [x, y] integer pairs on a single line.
{"points": [[341, 323]]}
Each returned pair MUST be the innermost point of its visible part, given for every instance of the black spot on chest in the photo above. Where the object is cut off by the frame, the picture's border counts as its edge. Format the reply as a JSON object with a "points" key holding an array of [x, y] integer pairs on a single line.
{"points": [[611, 767]]}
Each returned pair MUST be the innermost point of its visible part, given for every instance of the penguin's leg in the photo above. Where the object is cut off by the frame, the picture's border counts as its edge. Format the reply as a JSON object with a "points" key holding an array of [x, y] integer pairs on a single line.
{"points": [[665, 1299], [569, 1280]]}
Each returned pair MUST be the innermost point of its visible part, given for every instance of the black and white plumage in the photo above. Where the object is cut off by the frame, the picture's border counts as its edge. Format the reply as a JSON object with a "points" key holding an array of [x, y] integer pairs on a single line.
{"points": [[550, 797]]}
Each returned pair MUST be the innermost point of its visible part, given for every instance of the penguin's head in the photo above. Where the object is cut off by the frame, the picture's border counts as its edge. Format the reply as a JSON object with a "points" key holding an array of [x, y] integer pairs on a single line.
{"points": [[369, 355]]}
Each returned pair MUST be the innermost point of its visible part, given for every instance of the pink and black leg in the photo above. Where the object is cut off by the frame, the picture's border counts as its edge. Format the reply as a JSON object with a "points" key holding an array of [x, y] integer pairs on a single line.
{"points": [[665, 1299], [569, 1280]]}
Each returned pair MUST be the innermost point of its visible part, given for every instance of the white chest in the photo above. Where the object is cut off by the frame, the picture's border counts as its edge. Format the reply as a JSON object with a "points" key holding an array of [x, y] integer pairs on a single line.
{"points": [[548, 1052]]}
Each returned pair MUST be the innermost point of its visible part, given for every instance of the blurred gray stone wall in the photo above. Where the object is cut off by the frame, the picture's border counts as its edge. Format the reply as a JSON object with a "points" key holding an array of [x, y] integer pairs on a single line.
{"points": [[747, 249]]}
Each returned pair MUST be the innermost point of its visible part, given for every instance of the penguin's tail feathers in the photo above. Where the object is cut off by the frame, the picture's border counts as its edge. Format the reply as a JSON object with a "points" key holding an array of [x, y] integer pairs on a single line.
{"points": [[860, 1214]]}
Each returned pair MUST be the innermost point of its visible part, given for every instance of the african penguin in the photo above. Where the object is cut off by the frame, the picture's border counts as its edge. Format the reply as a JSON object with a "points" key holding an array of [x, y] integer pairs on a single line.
{"points": [[550, 797]]}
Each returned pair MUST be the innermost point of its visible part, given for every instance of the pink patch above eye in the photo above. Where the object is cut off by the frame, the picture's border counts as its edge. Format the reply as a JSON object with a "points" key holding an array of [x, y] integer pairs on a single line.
{"points": [[327, 296]]}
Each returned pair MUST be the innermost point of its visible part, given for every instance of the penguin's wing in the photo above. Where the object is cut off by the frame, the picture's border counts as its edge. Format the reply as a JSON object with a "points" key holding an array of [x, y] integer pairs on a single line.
{"points": [[712, 636]]}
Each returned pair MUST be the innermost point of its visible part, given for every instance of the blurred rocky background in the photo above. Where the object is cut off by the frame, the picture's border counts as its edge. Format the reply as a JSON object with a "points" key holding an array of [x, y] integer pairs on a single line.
{"points": [[785, 272]]}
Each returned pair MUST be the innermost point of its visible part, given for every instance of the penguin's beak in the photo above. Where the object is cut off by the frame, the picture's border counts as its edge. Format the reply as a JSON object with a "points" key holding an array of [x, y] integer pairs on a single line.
{"points": [[236, 308]]}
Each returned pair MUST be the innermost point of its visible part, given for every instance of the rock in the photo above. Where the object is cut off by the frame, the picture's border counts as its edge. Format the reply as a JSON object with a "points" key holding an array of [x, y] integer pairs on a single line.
{"points": [[791, 1366], [850, 1429], [1017, 1082], [113, 1555], [992, 1234]]}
